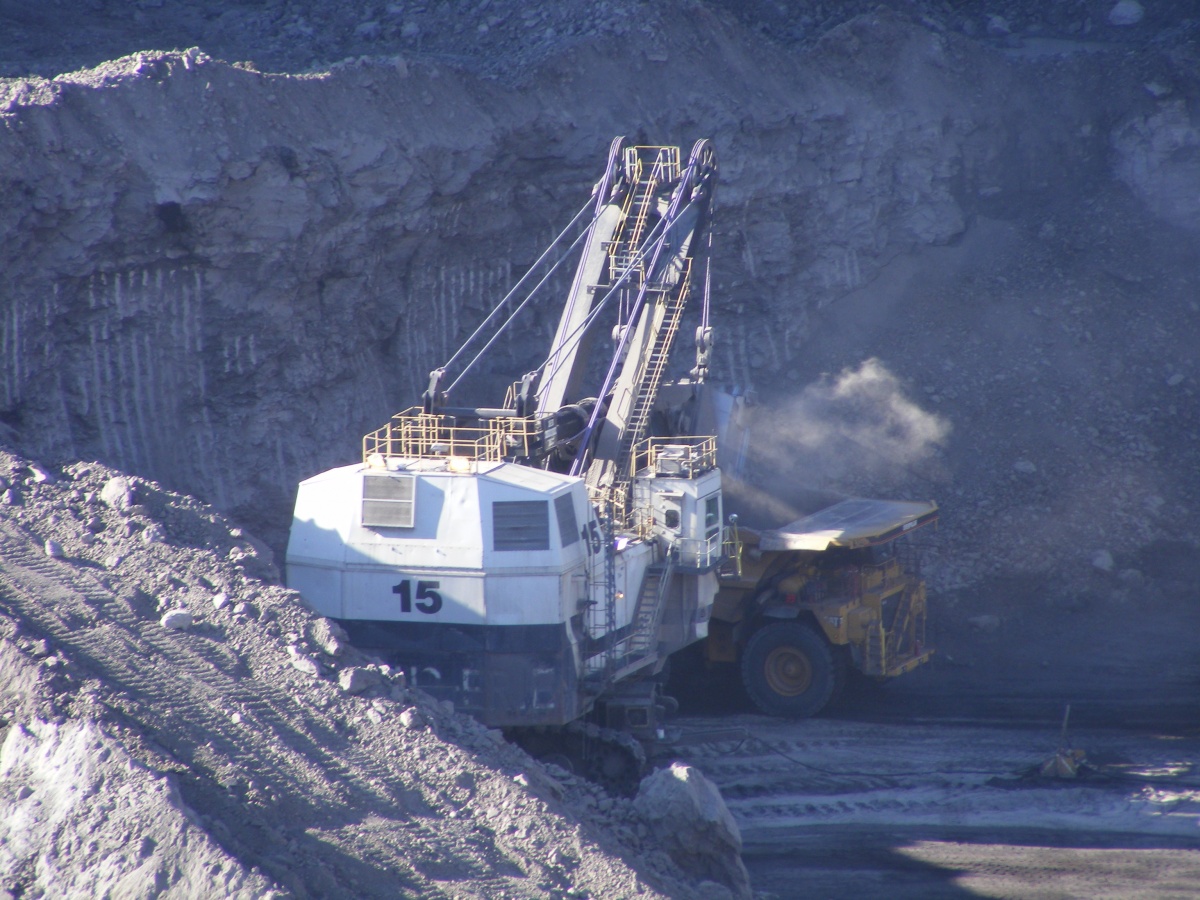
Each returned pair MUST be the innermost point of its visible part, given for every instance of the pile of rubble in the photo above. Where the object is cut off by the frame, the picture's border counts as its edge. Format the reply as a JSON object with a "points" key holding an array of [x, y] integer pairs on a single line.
{"points": [[176, 723]]}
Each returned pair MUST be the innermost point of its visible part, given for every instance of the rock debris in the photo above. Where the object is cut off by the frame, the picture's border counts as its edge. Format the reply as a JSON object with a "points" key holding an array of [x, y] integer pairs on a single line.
{"points": [[203, 751]]}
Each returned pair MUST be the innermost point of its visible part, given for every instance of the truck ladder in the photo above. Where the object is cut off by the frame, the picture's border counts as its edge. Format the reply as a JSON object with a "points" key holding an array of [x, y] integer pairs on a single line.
{"points": [[876, 644], [908, 630], [892, 649]]}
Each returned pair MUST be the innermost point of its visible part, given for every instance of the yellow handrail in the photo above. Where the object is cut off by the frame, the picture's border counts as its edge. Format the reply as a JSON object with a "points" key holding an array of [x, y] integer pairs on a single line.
{"points": [[415, 434], [681, 456]]}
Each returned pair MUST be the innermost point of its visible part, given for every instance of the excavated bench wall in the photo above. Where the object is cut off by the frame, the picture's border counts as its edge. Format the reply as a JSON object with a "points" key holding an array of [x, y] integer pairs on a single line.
{"points": [[219, 278]]}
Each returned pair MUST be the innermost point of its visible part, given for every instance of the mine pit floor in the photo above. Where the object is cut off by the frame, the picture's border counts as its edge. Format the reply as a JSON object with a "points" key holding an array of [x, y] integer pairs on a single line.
{"points": [[875, 806]]}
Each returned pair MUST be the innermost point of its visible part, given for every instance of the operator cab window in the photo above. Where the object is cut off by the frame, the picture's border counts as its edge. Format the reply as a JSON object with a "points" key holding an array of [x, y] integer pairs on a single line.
{"points": [[712, 515]]}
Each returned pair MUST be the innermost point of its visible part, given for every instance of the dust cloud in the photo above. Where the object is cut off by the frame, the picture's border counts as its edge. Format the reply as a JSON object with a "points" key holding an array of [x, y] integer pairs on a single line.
{"points": [[861, 422]]}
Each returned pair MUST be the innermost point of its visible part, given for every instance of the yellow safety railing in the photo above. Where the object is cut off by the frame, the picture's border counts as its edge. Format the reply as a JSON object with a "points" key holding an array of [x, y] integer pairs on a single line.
{"points": [[415, 434], [674, 457], [700, 553]]}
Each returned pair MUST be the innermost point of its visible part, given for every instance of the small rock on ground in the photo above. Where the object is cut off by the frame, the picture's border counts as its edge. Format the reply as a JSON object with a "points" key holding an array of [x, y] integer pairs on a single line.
{"points": [[176, 620]]}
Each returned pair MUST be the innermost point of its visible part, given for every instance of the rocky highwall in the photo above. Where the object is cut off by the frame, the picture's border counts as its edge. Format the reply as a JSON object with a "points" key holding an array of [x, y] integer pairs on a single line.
{"points": [[220, 278]]}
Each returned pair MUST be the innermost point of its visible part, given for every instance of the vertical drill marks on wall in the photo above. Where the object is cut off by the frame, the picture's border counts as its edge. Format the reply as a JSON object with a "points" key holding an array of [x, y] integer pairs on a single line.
{"points": [[13, 374], [137, 379], [49, 311], [139, 366], [445, 292], [143, 335]]}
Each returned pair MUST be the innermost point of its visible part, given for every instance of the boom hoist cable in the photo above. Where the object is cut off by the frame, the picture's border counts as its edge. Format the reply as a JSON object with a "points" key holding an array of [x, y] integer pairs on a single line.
{"points": [[704, 332], [574, 336], [516, 312], [436, 395], [603, 194]]}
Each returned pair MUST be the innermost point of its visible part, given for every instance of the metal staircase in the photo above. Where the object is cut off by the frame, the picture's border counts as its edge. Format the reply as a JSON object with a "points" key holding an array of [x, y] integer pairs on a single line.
{"points": [[675, 299], [640, 648]]}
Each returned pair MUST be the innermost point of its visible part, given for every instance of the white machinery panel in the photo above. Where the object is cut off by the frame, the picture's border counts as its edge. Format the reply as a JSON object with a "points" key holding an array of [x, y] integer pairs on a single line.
{"points": [[397, 596]]}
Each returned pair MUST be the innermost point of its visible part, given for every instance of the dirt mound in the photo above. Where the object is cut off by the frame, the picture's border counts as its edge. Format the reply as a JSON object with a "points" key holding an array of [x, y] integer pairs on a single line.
{"points": [[175, 721], [87, 819]]}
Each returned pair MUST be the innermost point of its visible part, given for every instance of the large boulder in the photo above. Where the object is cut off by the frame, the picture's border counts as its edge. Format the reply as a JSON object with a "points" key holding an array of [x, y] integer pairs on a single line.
{"points": [[118, 493], [329, 636], [687, 815]]}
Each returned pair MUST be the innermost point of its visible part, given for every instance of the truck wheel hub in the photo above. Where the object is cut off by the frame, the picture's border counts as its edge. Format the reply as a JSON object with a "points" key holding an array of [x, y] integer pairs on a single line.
{"points": [[788, 671]]}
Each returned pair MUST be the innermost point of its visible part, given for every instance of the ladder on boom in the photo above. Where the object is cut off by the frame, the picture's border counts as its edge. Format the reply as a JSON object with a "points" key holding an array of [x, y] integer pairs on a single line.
{"points": [[647, 168], [655, 364]]}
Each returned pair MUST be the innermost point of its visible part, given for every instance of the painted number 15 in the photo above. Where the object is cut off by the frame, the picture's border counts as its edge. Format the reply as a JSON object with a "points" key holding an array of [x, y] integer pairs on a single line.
{"points": [[429, 600]]}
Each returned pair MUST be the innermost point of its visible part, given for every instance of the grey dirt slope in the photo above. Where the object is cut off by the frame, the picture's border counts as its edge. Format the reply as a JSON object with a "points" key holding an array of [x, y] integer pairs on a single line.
{"points": [[251, 750]]}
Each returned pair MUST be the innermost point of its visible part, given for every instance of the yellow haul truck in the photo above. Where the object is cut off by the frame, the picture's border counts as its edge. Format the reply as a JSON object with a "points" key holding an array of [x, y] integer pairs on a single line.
{"points": [[805, 604]]}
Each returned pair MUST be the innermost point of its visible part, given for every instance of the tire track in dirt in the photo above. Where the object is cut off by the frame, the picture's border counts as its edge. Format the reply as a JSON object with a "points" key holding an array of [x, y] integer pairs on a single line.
{"points": [[247, 772], [791, 779], [156, 669]]}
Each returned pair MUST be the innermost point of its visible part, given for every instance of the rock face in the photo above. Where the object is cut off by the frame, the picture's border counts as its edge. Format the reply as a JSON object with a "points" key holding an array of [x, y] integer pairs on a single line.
{"points": [[220, 278], [686, 813]]}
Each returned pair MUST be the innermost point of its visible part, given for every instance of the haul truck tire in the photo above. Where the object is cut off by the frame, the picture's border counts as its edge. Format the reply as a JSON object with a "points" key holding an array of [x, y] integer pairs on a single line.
{"points": [[788, 670]]}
